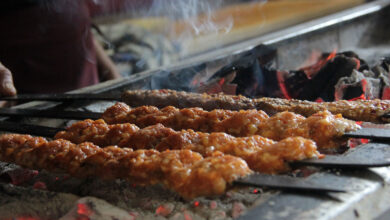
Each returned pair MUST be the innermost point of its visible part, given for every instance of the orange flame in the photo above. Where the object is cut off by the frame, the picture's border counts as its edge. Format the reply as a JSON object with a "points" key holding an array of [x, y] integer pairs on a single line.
{"points": [[313, 69]]}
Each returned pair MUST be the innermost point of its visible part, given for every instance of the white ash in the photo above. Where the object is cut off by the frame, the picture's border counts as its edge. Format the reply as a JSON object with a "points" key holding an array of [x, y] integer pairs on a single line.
{"points": [[62, 194]]}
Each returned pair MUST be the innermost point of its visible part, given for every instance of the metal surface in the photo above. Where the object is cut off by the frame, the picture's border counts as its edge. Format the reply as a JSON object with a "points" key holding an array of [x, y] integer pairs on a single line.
{"points": [[12, 112], [63, 97], [370, 133], [362, 156], [29, 129], [287, 183]]}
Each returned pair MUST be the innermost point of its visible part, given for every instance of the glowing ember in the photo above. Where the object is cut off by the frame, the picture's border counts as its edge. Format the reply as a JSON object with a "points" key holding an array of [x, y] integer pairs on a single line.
{"points": [[255, 191], [26, 218], [83, 210], [221, 81], [196, 203], [164, 210], [386, 93], [282, 85], [39, 185], [187, 216]]}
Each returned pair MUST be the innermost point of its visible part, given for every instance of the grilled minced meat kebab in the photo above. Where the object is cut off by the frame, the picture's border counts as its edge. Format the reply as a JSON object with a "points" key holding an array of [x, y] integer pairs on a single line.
{"points": [[261, 154], [183, 171], [323, 127], [359, 110]]}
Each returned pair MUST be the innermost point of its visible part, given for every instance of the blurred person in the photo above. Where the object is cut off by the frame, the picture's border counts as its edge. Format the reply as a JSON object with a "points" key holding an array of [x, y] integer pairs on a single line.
{"points": [[46, 46]]}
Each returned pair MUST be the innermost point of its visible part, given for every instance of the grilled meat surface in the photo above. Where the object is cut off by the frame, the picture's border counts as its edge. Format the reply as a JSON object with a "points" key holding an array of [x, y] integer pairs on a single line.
{"points": [[262, 154], [324, 128], [359, 110], [183, 171]]}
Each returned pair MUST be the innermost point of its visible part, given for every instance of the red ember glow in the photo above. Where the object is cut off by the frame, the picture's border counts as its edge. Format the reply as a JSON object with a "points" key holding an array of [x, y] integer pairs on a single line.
{"points": [[313, 69], [39, 185], [26, 218], [196, 203], [221, 81], [84, 210], [187, 216], [164, 210], [282, 85], [357, 63]]}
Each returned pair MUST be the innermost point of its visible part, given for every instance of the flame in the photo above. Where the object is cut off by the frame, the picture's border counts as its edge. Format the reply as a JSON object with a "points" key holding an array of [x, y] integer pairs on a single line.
{"points": [[331, 55], [282, 85], [311, 70]]}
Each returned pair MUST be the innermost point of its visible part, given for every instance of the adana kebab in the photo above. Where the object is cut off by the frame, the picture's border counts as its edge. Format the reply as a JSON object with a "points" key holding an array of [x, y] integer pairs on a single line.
{"points": [[183, 171], [261, 154], [323, 127], [359, 110]]}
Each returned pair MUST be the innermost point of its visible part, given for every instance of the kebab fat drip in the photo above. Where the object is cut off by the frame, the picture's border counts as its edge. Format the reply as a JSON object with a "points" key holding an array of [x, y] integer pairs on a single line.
{"points": [[359, 110], [323, 127], [183, 171], [262, 154]]}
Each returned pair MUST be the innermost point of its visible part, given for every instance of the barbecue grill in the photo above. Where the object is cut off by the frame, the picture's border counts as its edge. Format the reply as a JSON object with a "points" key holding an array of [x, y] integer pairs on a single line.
{"points": [[366, 193]]}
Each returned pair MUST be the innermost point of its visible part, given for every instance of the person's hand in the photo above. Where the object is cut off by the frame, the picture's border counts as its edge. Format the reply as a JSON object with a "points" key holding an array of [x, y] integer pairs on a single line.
{"points": [[107, 69], [7, 87]]}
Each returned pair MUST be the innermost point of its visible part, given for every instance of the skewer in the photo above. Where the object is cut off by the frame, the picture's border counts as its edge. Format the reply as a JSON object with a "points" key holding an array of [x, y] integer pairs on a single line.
{"points": [[375, 134], [360, 110], [184, 171], [357, 159]]}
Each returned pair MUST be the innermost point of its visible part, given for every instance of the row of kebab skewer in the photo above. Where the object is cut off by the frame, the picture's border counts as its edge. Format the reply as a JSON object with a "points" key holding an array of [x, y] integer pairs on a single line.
{"points": [[198, 149]]}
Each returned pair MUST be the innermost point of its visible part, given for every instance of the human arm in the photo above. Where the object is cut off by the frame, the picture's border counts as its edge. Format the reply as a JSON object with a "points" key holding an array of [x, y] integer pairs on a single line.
{"points": [[7, 87], [106, 67]]}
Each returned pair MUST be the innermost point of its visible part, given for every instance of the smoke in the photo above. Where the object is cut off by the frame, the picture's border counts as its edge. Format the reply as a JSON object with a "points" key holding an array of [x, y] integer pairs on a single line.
{"points": [[196, 14], [183, 20]]}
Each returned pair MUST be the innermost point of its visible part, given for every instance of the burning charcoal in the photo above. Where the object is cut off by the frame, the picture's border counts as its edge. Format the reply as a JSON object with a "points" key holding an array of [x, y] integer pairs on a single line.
{"points": [[295, 81], [366, 85], [251, 72], [40, 185], [165, 210], [17, 175], [361, 64], [93, 208], [17, 202], [172, 80], [322, 84], [385, 64]]}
